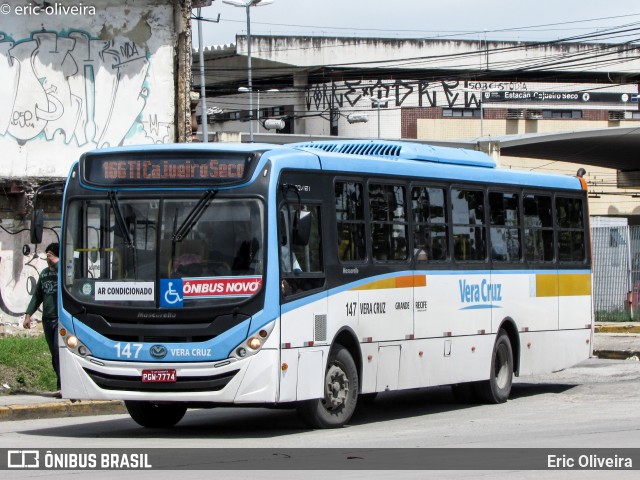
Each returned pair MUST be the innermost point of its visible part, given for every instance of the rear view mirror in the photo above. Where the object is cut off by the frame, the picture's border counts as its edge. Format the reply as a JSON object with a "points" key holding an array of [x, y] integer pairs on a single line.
{"points": [[37, 225], [302, 228]]}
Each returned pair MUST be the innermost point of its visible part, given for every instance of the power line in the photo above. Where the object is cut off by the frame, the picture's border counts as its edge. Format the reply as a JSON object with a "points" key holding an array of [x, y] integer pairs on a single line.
{"points": [[455, 33]]}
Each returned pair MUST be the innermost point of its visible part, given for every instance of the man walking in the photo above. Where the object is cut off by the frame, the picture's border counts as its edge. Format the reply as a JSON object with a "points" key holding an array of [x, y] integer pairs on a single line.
{"points": [[46, 294]]}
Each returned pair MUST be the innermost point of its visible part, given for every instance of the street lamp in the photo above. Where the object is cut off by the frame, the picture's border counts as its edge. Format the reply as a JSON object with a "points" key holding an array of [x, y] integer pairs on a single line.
{"points": [[377, 101], [357, 118], [246, 89], [247, 4], [203, 91]]}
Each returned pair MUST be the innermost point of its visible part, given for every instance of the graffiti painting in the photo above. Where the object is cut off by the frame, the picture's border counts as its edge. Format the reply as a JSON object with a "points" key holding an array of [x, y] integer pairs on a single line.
{"points": [[76, 88]]}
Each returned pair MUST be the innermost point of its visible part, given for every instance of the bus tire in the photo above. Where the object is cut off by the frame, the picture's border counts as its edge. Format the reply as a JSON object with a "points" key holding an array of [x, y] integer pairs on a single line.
{"points": [[340, 393], [498, 387], [155, 415]]}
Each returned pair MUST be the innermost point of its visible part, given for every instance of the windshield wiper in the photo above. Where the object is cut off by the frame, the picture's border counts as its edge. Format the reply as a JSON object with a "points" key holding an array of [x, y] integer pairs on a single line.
{"points": [[190, 220], [194, 215], [124, 230]]}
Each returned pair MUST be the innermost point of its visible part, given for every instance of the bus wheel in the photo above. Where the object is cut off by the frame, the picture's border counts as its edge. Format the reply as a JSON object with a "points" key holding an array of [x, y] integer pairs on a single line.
{"points": [[340, 393], [155, 415], [498, 387]]}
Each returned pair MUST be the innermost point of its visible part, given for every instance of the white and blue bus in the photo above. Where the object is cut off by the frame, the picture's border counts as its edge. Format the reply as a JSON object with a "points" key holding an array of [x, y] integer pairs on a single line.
{"points": [[314, 274]]}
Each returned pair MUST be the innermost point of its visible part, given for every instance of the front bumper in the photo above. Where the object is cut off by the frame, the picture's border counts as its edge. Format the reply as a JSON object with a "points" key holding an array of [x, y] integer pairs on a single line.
{"points": [[250, 380]]}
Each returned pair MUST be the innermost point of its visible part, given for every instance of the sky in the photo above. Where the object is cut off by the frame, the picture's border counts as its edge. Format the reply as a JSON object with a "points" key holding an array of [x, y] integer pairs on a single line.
{"points": [[508, 20]]}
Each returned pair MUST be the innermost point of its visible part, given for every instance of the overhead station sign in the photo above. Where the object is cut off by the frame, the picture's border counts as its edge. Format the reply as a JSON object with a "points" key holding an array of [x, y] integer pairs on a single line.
{"points": [[549, 96]]}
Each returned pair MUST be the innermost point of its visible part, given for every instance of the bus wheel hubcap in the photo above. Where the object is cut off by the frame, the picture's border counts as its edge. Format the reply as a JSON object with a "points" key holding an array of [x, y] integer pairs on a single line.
{"points": [[337, 387]]}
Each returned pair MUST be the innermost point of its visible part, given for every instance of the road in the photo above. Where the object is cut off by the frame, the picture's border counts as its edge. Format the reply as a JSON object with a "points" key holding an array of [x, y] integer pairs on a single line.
{"points": [[593, 405]]}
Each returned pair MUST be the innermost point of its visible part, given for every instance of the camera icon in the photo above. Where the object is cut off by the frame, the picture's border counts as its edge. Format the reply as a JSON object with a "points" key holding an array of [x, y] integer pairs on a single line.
{"points": [[23, 459]]}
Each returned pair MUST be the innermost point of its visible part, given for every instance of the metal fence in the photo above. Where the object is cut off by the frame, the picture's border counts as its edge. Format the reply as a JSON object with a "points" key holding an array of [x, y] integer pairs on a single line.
{"points": [[616, 272]]}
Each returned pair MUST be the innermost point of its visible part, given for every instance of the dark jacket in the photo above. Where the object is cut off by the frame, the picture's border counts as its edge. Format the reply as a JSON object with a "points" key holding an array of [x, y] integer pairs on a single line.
{"points": [[46, 294]]}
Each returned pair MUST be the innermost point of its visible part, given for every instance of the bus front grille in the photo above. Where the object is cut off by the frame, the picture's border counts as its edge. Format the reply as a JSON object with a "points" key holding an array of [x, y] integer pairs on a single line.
{"points": [[157, 332], [211, 383]]}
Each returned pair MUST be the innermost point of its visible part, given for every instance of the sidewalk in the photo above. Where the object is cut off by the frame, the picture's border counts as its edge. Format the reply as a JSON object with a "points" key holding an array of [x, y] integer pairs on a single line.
{"points": [[619, 341]]}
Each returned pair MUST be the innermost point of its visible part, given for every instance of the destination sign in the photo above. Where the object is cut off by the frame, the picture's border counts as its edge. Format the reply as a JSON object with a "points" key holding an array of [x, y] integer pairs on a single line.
{"points": [[193, 168]]}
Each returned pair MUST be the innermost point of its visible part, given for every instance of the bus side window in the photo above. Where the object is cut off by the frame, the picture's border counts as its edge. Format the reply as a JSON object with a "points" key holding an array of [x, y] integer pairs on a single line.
{"points": [[349, 198], [505, 229], [468, 225], [538, 228], [571, 237], [388, 222], [430, 228], [301, 266]]}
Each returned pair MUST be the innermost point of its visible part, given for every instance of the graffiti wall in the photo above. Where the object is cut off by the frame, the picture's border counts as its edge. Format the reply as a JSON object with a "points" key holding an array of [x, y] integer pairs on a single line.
{"points": [[75, 76], [20, 267], [464, 94], [73, 82]]}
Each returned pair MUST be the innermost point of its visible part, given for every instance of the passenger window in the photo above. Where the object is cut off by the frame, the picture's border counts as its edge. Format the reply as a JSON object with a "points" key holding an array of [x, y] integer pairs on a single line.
{"points": [[469, 235], [349, 197], [571, 240], [296, 258], [538, 228], [388, 222], [504, 209], [430, 230], [301, 266]]}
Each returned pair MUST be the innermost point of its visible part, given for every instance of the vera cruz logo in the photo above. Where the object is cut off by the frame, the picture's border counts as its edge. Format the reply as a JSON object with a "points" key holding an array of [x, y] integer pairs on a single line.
{"points": [[158, 351], [479, 295]]}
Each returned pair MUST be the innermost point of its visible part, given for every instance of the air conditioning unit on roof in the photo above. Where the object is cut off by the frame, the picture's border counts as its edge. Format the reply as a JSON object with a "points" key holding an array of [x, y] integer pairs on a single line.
{"points": [[534, 114], [515, 113], [615, 115]]}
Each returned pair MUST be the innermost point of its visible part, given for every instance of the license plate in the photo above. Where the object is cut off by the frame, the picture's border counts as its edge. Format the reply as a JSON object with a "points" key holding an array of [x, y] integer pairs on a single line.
{"points": [[159, 376]]}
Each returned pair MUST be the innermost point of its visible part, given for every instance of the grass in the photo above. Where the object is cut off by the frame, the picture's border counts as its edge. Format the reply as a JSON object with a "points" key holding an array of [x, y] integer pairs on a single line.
{"points": [[614, 316], [25, 365]]}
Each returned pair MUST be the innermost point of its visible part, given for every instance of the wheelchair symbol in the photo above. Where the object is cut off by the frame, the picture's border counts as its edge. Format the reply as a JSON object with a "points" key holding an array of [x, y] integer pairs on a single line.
{"points": [[171, 296]]}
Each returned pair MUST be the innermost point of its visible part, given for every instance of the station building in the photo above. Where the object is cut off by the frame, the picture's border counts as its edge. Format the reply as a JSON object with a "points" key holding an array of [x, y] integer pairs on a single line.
{"points": [[545, 106]]}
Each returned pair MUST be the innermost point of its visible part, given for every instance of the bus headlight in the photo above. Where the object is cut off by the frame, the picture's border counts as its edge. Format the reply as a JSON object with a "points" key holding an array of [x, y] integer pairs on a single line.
{"points": [[74, 344], [254, 343]]}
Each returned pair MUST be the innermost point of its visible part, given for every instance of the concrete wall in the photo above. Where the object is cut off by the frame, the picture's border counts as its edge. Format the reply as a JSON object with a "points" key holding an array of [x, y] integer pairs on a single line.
{"points": [[102, 74], [19, 272], [436, 54], [74, 82]]}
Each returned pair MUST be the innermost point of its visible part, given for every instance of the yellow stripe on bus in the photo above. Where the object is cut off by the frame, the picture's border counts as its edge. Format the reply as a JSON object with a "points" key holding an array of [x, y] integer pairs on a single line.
{"points": [[563, 285], [396, 282], [547, 284]]}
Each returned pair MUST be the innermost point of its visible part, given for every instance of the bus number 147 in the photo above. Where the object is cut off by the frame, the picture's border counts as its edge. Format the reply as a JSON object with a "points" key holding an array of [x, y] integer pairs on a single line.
{"points": [[125, 350], [351, 309]]}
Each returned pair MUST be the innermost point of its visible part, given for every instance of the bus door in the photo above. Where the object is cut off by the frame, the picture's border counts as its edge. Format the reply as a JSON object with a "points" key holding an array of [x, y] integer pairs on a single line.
{"points": [[304, 334]]}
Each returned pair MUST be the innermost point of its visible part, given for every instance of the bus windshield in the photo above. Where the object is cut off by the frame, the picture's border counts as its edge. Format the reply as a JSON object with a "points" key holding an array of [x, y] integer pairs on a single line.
{"points": [[129, 251]]}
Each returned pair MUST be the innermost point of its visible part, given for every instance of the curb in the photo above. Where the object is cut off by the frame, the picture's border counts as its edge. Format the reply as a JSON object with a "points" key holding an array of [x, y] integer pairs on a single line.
{"points": [[617, 354], [61, 409], [617, 328]]}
